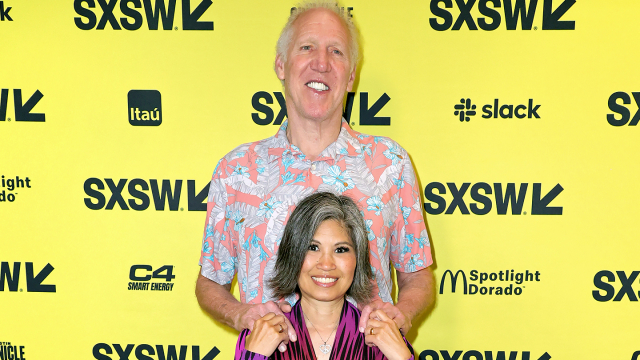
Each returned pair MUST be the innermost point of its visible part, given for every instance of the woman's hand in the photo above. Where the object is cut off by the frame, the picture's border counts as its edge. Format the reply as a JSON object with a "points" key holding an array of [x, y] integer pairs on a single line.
{"points": [[268, 331], [383, 333]]}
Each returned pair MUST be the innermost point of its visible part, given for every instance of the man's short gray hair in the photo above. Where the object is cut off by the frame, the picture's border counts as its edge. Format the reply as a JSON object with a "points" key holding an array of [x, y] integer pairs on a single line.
{"points": [[299, 231], [284, 41]]}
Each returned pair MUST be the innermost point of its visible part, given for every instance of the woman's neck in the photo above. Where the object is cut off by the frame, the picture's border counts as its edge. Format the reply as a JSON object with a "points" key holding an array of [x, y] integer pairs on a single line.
{"points": [[322, 314]]}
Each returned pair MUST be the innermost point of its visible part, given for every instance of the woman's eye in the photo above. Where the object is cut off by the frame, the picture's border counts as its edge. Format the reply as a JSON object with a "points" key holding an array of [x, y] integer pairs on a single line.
{"points": [[313, 247], [342, 249]]}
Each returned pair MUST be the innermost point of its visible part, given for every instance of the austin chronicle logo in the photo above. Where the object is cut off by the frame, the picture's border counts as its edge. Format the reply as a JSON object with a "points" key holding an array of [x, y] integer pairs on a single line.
{"points": [[145, 108]]}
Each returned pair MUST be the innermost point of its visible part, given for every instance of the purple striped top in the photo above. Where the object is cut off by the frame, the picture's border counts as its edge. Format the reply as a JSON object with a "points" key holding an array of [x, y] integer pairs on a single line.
{"points": [[348, 344]]}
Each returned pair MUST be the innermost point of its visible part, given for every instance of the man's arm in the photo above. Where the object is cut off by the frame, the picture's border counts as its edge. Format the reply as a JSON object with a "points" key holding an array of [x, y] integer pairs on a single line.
{"points": [[416, 292], [218, 302]]}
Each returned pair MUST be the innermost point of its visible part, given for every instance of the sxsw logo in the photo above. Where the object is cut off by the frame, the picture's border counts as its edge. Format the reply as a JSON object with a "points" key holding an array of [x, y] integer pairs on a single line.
{"points": [[626, 288], [34, 282], [4, 12], [622, 110], [145, 107], [477, 355], [22, 110], [139, 200], [132, 12], [465, 110], [368, 115], [513, 11], [503, 195], [101, 351]]}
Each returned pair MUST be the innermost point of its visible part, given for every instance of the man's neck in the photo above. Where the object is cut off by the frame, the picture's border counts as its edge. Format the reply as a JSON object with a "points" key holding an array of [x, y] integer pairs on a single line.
{"points": [[313, 136]]}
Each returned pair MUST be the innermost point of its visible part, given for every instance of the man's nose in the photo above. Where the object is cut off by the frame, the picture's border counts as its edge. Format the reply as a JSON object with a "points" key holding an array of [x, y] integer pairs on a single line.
{"points": [[321, 62]]}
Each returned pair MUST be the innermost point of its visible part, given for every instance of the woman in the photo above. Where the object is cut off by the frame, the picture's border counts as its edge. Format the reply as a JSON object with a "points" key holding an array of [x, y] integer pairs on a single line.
{"points": [[323, 257]]}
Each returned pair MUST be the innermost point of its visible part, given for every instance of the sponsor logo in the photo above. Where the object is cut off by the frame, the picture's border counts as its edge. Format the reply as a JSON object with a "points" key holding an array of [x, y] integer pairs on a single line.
{"points": [[368, 115], [11, 352], [22, 111], [4, 14], [137, 188], [504, 196], [466, 109], [101, 351], [155, 12], [626, 290], [636, 355], [141, 275], [506, 282], [34, 283], [145, 107], [10, 184], [622, 110], [477, 355], [491, 18]]}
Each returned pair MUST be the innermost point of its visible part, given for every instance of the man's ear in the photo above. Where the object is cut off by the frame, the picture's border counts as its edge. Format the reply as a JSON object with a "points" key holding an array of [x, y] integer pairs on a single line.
{"points": [[352, 78], [279, 67]]}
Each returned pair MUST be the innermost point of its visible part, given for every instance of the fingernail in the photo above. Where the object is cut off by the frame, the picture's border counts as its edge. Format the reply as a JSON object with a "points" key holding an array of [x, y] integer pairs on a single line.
{"points": [[361, 329], [294, 338], [282, 348]]}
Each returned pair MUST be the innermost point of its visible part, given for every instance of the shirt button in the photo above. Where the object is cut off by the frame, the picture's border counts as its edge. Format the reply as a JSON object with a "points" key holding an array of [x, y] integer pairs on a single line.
{"points": [[313, 167]]}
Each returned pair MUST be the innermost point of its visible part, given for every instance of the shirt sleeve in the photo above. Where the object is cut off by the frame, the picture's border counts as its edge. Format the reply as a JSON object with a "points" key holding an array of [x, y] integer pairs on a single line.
{"points": [[218, 257], [242, 353], [411, 240]]}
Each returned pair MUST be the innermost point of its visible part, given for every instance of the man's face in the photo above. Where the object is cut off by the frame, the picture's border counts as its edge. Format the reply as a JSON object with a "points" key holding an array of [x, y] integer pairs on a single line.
{"points": [[318, 72]]}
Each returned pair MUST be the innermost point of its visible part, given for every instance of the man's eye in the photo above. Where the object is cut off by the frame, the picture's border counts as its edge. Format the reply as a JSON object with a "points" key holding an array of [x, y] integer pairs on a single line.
{"points": [[342, 249], [337, 52], [305, 47], [313, 247]]}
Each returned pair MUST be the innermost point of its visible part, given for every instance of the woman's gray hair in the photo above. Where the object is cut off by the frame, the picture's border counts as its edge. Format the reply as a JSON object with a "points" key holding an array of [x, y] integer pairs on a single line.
{"points": [[299, 232], [284, 41]]}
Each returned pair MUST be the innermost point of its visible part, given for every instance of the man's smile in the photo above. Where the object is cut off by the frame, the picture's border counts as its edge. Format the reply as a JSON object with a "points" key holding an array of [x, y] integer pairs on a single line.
{"points": [[316, 85]]}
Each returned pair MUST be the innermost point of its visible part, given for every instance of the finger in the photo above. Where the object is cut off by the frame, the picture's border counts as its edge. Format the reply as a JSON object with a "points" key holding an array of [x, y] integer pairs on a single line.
{"points": [[276, 319], [381, 315], [282, 347], [291, 332], [364, 317], [268, 317], [273, 307], [285, 307]]}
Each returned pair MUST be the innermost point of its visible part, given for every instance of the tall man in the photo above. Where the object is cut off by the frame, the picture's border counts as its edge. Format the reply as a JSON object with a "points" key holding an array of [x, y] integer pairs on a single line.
{"points": [[257, 185]]}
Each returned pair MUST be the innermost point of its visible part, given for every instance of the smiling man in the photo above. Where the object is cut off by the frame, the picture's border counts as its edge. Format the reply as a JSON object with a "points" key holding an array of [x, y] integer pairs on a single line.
{"points": [[257, 185]]}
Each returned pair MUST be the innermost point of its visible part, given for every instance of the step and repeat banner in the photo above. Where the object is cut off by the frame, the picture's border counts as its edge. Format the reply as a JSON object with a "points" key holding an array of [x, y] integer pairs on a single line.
{"points": [[521, 118]]}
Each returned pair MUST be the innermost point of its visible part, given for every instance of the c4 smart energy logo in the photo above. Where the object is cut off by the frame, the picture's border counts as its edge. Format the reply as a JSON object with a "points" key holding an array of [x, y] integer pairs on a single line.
{"points": [[465, 110], [155, 12], [4, 12], [103, 351], [512, 12], [23, 111], [145, 107], [477, 355], [141, 276]]}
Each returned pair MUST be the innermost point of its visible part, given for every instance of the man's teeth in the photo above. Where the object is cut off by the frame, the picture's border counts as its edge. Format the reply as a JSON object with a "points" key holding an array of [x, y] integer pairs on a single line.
{"points": [[318, 86], [324, 280]]}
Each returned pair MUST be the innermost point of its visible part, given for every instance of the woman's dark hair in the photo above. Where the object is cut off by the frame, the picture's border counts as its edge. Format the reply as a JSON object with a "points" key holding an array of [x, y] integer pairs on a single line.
{"points": [[299, 231]]}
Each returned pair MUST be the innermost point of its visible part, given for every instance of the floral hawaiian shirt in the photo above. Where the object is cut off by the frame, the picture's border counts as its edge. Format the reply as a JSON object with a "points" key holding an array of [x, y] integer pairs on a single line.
{"points": [[256, 186]]}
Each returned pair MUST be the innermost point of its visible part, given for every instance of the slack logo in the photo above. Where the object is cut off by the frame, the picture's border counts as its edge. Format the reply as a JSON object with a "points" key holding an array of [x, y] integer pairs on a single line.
{"points": [[505, 111], [368, 115], [512, 11], [4, 12], [22, 110], [622, 110], [145, 107], [609, 291], [132, 20]]}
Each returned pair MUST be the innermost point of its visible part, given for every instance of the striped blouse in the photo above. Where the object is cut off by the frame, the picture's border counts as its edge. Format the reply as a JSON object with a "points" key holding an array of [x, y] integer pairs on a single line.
{"points": [[348, 344]]}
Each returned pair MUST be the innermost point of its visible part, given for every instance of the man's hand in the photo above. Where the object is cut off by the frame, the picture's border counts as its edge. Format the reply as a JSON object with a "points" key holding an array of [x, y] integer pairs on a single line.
{"points": [[369, 312], [217, 301], [254, 312]]}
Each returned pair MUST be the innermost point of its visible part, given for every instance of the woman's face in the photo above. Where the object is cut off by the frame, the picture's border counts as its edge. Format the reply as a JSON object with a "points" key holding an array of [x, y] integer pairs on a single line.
{"points": [[330, 263]]}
